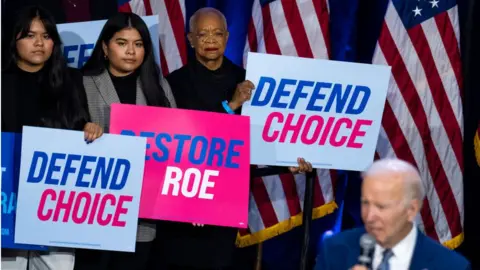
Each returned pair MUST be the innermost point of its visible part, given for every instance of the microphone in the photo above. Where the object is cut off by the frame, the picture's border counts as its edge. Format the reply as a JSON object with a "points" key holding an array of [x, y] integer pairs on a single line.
{"points": [[367, 247]]}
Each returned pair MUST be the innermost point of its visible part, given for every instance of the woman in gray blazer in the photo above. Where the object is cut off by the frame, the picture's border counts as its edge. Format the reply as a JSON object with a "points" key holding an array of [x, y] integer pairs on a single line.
{"points": [[122, 70]]}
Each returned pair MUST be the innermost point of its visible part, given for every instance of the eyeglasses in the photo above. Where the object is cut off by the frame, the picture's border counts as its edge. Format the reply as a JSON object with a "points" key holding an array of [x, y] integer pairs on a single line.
{"points": [[203, 36]]}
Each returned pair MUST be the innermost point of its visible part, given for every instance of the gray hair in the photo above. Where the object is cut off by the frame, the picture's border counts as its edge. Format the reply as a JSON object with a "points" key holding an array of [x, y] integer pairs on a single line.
{"points": [[203, 11], [410, 175]]}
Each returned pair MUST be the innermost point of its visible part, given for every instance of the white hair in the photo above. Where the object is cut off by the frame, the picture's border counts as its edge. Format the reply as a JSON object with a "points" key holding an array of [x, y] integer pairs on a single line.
{"points": [[203, 11], [408, 172]]}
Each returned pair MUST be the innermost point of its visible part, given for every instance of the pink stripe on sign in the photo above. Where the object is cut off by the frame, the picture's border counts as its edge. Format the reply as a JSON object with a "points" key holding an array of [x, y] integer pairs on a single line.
{"points": [[197, 167]]}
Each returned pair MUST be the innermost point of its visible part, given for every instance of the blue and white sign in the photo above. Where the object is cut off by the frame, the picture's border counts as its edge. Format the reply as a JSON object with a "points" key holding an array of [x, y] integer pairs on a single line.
{"points": [[80, 38], [327, 112], [11, 145], [76, 194]]}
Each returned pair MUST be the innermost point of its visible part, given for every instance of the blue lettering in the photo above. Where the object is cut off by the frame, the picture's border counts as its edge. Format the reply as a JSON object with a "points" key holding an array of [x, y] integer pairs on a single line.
{"points": [[127, 132], [84, 171], [332, 96], [49, 180], [67, 50], [162, 147], [9, 203], [83, 54], [232, 153], [261, 85], [216, 149], [147, 135], [299, 94], [4, 202], [82, 57], [102, 172], [181, 140], [281, 92], [68, 167], [43, 158], [363, 103], [337, 95], [316, 95], [121, 163], [203, 150]]}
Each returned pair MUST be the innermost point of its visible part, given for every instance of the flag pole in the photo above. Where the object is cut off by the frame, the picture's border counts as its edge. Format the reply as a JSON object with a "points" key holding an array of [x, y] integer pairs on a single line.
{"points": [[307, 217], [258, 262]]}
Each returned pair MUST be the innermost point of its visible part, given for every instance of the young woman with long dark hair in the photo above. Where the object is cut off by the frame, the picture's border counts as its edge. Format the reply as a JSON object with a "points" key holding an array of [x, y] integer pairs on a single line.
{"points": [[38, 89], [122, 69]]}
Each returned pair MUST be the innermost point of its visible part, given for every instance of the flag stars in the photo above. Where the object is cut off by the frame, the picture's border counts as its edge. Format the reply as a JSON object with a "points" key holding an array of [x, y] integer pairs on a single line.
{"points": [[434, 3], [417, 11]]}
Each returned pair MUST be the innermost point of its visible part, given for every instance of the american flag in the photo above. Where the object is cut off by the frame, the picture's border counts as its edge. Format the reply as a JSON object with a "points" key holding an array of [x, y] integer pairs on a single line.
{"points": [[422, 121], [287, 27]]}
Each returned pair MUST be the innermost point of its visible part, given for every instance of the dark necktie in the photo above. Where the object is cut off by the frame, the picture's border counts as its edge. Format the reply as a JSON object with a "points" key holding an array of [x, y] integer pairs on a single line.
{"points": [[384, 265]]}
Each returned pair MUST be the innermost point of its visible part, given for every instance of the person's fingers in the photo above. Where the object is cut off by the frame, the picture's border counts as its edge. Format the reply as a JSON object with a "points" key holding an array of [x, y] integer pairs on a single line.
{"points": [[301, 165], [309, 167], [249, 95], [98, 132], [88, 132], [244, 89], [91, 135], [249, 84], [85, 132]]}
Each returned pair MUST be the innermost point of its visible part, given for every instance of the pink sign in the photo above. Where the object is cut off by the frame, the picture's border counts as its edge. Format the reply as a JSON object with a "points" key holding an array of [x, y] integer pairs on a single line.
{"points": [[197, 163]]}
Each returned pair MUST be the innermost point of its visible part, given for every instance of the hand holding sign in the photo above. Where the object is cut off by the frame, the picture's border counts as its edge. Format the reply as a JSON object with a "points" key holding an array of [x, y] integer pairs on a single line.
{"points": [[303, 166], [242, 94], [92, 132]]}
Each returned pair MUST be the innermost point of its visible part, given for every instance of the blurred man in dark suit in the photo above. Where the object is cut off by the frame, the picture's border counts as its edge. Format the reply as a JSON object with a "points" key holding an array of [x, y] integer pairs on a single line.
{"points": [[392, 196]]}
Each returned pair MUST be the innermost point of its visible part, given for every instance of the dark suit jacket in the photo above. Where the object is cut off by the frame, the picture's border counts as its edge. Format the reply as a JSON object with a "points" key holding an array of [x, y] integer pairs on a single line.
{"points": [[341, 252]]}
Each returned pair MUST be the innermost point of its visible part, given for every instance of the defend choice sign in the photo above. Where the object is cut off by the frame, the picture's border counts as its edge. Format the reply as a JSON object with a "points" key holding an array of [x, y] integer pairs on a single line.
{"points": [[325, 111], [197, 163], [73, 194], [80, 38]]}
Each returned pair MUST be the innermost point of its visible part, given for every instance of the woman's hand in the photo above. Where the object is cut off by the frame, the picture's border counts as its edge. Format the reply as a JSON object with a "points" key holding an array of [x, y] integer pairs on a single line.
{"points": [[197, 225], [303, 166], [92, 132], [242, 94]]}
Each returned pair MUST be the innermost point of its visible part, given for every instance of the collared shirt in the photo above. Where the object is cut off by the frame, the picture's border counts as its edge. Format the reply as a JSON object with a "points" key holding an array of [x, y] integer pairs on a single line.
{"points": [[402, 252]]}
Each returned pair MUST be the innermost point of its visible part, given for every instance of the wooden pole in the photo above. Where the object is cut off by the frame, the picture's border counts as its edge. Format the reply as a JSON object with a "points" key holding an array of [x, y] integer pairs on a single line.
{"points": [[258, 263]]}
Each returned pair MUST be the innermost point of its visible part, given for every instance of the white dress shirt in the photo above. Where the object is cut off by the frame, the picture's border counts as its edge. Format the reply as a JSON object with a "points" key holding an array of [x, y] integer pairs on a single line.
{"points": [[402, 252]]}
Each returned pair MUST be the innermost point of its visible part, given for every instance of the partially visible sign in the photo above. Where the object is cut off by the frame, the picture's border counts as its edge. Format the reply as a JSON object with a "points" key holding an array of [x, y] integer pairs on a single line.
{"points": [[11, 145], [79, 39]]}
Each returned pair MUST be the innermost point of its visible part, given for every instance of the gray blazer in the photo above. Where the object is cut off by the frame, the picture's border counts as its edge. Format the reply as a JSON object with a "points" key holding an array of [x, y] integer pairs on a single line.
{"points": [[100, 95]]}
